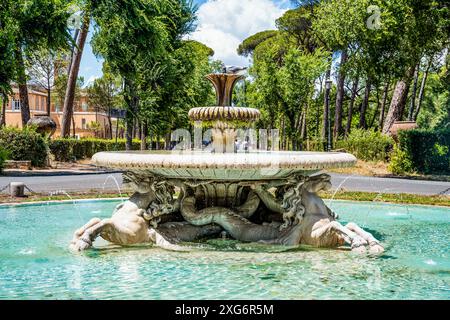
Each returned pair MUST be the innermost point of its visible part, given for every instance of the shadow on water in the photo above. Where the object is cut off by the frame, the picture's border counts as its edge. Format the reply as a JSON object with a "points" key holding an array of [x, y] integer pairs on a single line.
{"points": [[387, 257], [377, 234], [97, 252], [212, 245]]}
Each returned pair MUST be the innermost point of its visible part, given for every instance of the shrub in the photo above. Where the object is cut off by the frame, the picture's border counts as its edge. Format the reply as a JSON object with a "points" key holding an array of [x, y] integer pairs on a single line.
{"points": [[24, 144], [400, 162], [313, 145], [427, 150], [367, 145], [72, 149], [3, 158]]}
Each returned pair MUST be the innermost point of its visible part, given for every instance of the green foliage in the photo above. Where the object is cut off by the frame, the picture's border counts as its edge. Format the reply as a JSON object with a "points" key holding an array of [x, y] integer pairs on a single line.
{"points": [[4, 154], [141, 40], [378, 55], [7, 33], [367, 145], [179, 87], [59, 90], [427, 150], [67, 150], [25, 25], [435, 109], [24, 144], [36, 17], [297, 23], [286, 65], [304, 68], [314, 145], [400, 162], [249, 45]]}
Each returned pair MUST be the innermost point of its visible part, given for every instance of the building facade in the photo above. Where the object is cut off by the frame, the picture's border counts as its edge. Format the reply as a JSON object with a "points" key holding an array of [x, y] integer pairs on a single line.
{"points": [[86, 121]]}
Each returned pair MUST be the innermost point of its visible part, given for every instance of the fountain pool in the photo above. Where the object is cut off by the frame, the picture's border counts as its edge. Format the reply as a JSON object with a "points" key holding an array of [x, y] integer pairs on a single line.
{"points": [[35, 262]]}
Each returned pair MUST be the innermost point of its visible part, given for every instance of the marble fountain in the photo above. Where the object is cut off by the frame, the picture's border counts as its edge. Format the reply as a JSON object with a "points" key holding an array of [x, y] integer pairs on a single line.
{"points": [[264, 196]]}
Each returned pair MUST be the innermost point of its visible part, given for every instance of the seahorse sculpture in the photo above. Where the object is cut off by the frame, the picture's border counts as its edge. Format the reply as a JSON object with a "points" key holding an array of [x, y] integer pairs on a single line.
{"points": [[302, 216]]}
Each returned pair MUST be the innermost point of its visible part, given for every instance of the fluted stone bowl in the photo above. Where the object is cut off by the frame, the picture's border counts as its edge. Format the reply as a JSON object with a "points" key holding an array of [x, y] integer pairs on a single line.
{"points": [[224, 114], [223, 166]]}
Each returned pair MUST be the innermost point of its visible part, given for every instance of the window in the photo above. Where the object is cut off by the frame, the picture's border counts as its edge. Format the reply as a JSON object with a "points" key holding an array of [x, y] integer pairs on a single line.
{"points": [[37, 103], [15, 104], [84, 106], [43, 103], [83, 123]]}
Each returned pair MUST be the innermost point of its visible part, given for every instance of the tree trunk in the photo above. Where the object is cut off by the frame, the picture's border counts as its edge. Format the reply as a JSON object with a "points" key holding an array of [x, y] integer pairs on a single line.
{"points": [[167, 140], [131, 100], [73, 127], [365, 104], [412, 105], [150, 133], [350, 106], [110, 136], [23, 89], [326, 108], [340, 96], [49, 94], [135, 129], [376, 110], [144, 135], [318, 110], [398, 101], [129, 123], [75, 38], [298, 129], [3, 116], [422, 89], [73, 76], [383, 103], [304, 127]]}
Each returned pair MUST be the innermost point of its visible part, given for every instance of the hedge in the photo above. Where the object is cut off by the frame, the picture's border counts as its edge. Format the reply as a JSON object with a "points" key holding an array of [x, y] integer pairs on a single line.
{"points": [[367, 145], [3, 158], [23, 145], [72, 149], [423, 151]]}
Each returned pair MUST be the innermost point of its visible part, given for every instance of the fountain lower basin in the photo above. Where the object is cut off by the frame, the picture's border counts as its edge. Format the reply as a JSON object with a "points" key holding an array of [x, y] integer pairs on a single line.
{"points": [[223, 166], [35, 263]]}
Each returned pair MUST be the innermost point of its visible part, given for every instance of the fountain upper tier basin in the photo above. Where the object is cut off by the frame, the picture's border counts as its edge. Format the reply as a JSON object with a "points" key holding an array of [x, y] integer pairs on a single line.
{"points": [[223, 166]]}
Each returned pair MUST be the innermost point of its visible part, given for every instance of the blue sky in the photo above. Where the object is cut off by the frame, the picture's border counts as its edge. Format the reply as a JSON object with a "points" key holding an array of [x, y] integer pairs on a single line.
{"points": [[221, 24]]}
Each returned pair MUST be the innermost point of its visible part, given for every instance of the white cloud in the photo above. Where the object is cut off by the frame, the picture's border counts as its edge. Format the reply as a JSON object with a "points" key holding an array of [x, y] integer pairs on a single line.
{"points": [[91, 80], [224, 24]]}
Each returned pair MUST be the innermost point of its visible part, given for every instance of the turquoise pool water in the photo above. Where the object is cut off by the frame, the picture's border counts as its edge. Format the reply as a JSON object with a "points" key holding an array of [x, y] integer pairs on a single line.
{"points": [[36, 264]]}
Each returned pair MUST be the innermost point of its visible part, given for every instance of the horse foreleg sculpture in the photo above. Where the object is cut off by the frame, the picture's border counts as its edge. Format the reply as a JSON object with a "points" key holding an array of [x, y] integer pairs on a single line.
{"points": [[135, 221], [315, 224]]}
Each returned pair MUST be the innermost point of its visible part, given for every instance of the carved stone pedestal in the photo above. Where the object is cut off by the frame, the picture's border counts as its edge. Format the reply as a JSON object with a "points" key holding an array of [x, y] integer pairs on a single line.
{"points": [[286, 212]]}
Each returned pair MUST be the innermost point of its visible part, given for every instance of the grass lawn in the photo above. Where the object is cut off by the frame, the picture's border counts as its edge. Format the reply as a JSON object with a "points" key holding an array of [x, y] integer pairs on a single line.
{"points": [[380, 169]]}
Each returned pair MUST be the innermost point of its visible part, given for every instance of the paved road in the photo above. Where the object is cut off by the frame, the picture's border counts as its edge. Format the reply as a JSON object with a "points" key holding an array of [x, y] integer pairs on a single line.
{"points": [[390, 185], [71, 183], [83, 182]]}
